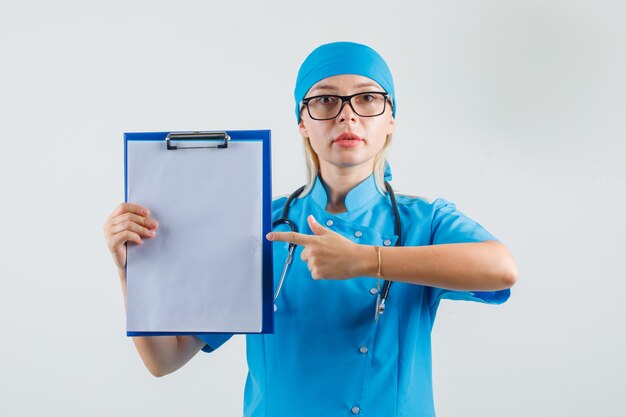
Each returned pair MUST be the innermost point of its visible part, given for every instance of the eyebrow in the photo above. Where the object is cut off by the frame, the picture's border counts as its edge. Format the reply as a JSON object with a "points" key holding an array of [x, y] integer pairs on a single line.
{"points": [[333, 88]]}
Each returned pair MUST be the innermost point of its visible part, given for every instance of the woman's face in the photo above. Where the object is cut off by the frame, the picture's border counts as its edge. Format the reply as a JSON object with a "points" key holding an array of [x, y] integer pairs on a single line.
{"points": [[348, 140]]}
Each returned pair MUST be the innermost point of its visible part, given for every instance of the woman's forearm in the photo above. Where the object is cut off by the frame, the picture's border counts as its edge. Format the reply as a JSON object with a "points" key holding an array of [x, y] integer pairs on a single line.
{"points": [[483, 266], [163, 354]]}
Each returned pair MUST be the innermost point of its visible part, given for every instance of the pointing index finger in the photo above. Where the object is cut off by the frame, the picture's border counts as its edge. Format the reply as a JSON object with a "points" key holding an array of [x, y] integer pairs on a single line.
{"points": [[291, 237]]}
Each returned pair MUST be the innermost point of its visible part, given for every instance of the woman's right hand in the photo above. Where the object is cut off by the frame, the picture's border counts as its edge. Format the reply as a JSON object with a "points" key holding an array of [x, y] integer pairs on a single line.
{"points": [[128, 223]]}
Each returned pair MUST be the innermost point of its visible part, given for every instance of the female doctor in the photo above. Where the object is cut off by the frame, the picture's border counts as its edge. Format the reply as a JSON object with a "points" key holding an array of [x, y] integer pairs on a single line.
{"points": [[336, 351]]}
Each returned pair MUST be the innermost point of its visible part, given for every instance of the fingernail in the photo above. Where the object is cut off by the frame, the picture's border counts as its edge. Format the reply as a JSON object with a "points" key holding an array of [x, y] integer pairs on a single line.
{"points": [[269, 236]]}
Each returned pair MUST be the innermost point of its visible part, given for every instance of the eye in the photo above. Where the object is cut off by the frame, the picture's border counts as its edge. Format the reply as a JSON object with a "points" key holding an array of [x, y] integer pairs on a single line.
{"points": [[367, 98], [325, 100]]}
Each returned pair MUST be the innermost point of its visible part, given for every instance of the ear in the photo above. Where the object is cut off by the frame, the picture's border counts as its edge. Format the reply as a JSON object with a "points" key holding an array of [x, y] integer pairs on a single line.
{"points": [[303, 131], [392, 125]]}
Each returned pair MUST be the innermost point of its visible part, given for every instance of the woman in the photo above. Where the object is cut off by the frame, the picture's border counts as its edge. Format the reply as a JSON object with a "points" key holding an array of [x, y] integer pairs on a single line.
{"points": [[333, 352]]}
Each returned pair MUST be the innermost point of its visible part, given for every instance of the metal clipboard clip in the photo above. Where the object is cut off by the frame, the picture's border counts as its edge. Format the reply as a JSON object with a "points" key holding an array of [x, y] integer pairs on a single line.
{"points": [[197, 136]]}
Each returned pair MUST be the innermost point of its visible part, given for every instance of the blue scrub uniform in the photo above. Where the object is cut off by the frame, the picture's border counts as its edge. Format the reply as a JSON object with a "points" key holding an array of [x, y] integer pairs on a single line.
{"points": [[328, 356]]}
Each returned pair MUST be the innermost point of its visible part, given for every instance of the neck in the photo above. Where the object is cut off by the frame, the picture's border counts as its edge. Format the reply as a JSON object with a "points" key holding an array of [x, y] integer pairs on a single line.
{"points": [[339, 181]]}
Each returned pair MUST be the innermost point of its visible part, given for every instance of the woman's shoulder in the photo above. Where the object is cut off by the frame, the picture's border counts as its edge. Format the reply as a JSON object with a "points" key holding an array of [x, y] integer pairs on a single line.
{"points": [[424, 208], [278, 202], [421, 202]]}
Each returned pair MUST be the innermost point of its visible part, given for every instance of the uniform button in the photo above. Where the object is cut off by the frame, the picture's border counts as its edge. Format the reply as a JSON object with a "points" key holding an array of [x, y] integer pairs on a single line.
{"points": [[358, 233], [355, 410], [329, 223], [363, 349], [387, 242], [373, 291]]}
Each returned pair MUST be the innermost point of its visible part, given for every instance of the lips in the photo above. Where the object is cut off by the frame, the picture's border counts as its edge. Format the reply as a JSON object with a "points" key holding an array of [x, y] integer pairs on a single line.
{"points": [[348, 136]]}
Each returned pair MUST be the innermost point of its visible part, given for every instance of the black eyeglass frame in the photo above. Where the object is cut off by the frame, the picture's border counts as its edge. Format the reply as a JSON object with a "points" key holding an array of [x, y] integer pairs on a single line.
{"points": [[344, 99]]}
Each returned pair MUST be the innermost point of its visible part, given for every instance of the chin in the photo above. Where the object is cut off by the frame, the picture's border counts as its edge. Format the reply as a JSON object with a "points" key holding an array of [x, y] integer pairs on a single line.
{"points": [[346, 164]]}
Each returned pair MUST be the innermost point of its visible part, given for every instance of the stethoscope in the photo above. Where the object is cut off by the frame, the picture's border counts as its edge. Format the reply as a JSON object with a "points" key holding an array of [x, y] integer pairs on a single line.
{"points": [[284, 219]]}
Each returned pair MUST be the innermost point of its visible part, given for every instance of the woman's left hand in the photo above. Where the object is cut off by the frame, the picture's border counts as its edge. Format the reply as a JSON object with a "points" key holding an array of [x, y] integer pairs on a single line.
{"points": [[328, 254]]}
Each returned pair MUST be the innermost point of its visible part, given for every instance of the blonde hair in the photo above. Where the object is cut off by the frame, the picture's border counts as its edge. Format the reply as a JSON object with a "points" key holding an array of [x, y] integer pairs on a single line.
{"points": [[313, 166]]}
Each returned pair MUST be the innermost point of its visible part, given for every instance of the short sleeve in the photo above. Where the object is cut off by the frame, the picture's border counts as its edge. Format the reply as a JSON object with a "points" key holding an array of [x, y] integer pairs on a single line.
{"points": [[449, 225], [486, 297], [213, 340]]}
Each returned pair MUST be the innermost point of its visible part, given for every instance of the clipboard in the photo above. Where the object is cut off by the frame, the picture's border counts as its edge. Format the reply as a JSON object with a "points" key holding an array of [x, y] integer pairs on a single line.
{"points": [[209, 267]]}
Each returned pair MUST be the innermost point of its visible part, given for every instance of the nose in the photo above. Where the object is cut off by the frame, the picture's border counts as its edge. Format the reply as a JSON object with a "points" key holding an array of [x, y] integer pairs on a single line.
{"points": [[346, 114]]}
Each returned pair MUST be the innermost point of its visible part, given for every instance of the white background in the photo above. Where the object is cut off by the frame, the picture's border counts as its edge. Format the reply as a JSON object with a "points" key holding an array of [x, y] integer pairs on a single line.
{"points": [[512, 109]]}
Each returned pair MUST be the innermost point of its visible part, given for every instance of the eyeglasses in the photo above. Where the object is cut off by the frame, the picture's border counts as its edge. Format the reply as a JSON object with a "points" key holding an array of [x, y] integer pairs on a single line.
{"points": [[328, 106]]}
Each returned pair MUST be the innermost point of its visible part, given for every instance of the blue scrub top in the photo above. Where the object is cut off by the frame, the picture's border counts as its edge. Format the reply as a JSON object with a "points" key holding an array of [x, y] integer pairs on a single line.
{"points": [[328, 357]]}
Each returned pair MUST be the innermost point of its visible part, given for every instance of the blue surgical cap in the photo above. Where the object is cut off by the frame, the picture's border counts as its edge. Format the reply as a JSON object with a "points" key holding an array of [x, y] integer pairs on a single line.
{"points": [[339, 58]]}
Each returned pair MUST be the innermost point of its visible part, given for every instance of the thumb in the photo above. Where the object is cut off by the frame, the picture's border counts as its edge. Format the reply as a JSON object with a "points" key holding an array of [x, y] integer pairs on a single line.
{"points": [[317, 228]]}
